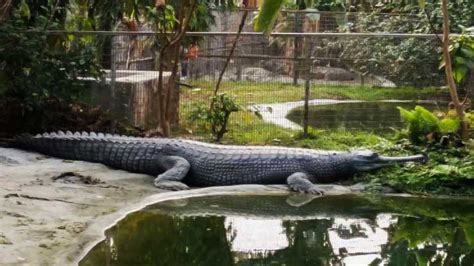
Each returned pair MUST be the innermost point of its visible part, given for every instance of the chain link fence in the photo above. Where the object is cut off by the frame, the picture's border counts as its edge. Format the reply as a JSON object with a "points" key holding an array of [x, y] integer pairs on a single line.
{"points": [[346, 81], [320, 69]]}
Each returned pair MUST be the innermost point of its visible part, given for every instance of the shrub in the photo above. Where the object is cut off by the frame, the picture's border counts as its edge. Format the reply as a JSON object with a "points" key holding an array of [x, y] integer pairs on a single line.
{"points": [[35, 67], [216, 115], [424, 126]]}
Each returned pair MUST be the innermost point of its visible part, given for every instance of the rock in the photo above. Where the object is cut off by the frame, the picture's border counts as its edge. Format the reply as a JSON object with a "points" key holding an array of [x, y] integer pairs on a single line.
{"points": [[4, 240], [383, 82], [205, 66], [256, 74], [317, 75], [76, 227], [274, 66], [332, 73], [339, 75]]}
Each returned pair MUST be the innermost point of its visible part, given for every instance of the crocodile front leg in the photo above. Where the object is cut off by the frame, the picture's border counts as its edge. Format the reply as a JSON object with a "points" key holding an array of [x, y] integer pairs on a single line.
{"points": [[176, 169], [299, 182]]}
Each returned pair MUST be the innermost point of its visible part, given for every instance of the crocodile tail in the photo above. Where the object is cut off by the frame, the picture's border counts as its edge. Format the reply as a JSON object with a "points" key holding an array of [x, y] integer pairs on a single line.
{"points": [[29, 142], [22, 141], [93, 147], [52, 144]]}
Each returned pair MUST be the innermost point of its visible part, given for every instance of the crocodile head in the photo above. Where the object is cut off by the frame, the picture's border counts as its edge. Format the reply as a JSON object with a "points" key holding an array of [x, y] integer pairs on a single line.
{"points": [[365, 160]]}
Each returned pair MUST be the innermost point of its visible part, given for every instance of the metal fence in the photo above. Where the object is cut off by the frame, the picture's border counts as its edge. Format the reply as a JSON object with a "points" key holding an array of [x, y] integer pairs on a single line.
{"points": [[319, 74], [339, 76]]}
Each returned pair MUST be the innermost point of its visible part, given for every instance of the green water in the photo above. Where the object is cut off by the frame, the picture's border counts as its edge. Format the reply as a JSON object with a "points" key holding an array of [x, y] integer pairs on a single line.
{"points": [[363, 115], [267, 230]]}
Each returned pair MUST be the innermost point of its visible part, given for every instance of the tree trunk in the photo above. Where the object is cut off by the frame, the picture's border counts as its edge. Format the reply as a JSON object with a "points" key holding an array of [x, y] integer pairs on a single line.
{"points": [[164, 130], [172, 95], [168, 100], [5, 9], [449, 73]]}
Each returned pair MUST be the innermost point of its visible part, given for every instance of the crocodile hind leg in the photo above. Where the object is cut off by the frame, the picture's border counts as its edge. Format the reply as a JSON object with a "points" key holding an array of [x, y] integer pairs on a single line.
{"points": [[299, 182], [176, 169]]}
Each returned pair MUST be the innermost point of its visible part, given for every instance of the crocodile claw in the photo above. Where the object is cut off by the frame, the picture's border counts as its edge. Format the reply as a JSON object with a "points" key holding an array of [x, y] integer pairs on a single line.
{"points": [[314, 190], [171, 185]]}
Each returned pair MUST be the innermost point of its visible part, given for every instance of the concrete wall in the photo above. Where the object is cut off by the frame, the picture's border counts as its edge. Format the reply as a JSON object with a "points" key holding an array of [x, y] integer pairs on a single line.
{"points": [[135, 98]]}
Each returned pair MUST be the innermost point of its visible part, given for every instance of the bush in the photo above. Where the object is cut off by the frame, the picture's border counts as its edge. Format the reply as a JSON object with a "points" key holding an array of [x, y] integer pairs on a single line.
{"points": [[41, 76], [424, 126], [216, 115], [35, 67]]}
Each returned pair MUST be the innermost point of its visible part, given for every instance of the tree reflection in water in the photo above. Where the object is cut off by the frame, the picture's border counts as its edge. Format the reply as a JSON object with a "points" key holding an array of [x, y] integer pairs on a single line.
{"points": [[263, 230]]}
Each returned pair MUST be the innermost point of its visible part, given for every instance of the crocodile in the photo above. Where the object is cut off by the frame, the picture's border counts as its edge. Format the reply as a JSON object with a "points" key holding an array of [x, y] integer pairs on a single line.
{"points": [[179, 163]]}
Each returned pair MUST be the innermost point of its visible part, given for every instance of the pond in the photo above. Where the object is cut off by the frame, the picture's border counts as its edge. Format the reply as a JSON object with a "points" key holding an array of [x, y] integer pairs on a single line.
{"points": [[292, 230], [357, 115]]}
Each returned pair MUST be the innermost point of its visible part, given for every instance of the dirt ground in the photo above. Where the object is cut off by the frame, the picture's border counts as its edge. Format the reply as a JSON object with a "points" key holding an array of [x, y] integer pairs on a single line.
{"points": [[43, 212], [52, 211]]}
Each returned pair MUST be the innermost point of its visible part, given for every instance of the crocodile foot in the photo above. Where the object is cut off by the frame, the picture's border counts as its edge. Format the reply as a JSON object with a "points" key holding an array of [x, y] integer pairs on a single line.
{"points": [[299, 182], [314, 190], [171, 185]]}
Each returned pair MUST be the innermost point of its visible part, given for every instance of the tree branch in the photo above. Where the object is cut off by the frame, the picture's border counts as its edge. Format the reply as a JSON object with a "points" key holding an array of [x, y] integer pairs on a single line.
{"points": [[231, 53]]}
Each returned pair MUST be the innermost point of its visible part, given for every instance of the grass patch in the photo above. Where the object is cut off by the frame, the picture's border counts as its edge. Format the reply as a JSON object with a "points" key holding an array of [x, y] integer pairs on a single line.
{"points": [[449, 171], [250, 92]]}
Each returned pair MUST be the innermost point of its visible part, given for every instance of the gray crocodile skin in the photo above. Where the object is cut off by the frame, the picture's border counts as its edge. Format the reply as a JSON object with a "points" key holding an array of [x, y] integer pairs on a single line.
{"points": [[196, 163]]}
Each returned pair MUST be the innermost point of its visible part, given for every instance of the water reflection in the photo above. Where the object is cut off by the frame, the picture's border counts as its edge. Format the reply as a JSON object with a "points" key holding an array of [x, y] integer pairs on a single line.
{"points": [[358, 115], [264, 230]]}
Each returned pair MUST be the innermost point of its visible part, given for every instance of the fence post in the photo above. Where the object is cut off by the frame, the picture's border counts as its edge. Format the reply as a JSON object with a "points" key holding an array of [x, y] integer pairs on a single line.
{"points": [[307, 89], [238, 63], [296, 62], [307, 84]]}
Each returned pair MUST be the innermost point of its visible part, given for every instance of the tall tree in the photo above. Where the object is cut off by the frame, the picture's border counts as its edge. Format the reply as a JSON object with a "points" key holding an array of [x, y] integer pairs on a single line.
{"points": [[458, 106]]}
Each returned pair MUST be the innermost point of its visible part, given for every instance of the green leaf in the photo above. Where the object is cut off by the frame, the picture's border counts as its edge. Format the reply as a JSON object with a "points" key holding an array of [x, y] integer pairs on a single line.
{"points": [[459, 73], [467, 52], [24, 9], [449, 125], [267, 15], [444, 169], [406, 115], [459, 60], [429, 121], [422, 4]]}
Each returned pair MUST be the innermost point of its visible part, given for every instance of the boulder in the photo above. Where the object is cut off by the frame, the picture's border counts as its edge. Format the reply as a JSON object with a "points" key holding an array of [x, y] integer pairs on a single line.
{"points": [[332, 73], [275, 66], [257, 74]]}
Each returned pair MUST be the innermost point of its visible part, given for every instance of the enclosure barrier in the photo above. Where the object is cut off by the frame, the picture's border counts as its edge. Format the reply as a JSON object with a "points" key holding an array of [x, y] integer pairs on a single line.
{"points": [[287, 80]]}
